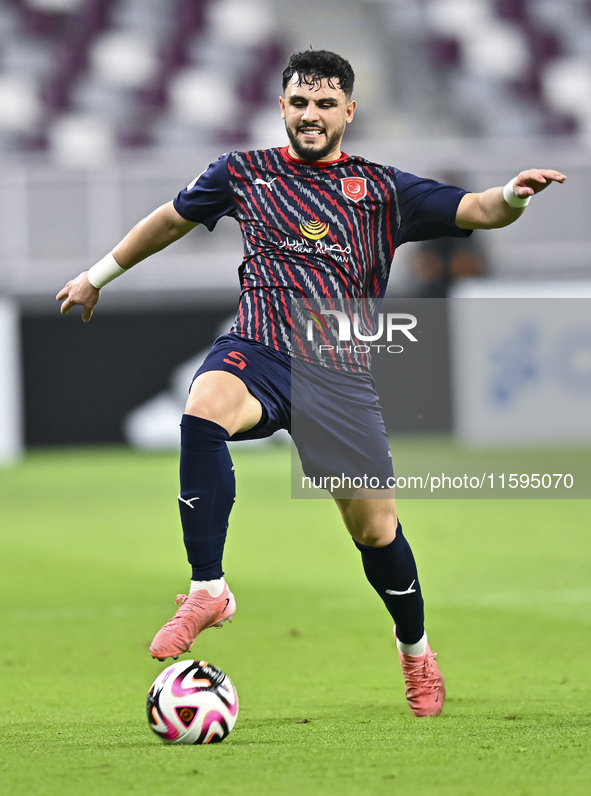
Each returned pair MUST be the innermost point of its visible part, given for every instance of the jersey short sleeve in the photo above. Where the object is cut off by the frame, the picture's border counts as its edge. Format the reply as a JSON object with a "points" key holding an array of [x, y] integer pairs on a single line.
{"points": [[427, 208], [209, 197]]}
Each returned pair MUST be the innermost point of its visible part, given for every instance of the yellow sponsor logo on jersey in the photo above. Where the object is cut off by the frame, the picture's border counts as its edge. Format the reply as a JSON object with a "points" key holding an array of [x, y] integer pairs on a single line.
{"points": [[314, 230]]}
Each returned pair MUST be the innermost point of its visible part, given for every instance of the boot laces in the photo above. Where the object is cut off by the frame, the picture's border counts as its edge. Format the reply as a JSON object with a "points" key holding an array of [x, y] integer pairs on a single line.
{"points": [[181, 611], [423, 675]]}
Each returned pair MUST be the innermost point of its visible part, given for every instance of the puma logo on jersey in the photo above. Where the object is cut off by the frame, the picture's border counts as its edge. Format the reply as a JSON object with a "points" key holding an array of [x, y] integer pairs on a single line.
{"points": [[262, 182]]}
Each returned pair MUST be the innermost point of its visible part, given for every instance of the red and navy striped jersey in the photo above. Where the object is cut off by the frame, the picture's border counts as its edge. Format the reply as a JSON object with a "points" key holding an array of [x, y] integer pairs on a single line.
{"points": [[314, 230]]}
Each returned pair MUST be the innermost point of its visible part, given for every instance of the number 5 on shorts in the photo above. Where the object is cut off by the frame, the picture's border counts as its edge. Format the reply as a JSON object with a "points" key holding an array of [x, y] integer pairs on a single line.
{"points": [[237, 359]]}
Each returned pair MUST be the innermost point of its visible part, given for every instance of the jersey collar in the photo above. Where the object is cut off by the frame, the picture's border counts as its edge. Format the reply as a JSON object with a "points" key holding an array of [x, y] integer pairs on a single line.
{"points": [[284, 152]]}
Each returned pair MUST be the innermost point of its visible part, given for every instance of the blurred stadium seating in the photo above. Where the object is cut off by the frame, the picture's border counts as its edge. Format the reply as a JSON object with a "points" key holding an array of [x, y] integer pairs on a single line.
{"points": [[502, 67], [84, 77]]}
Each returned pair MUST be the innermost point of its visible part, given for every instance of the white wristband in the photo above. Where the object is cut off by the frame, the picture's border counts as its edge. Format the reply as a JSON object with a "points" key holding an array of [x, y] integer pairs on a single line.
{"points": [[511, 197], [104, 271]]}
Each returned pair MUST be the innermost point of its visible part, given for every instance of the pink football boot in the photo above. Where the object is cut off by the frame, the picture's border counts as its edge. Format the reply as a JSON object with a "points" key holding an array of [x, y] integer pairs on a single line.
{"points": [[197, 612], [425, 689]]}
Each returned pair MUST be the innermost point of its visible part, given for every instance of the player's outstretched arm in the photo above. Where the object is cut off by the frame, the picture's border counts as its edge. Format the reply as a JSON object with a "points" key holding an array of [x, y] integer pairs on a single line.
{"points": [[499, 207], [150, 235]]}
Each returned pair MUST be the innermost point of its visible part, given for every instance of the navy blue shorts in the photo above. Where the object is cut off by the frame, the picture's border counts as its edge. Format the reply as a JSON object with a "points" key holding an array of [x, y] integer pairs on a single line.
{"points": [[334, 417]]}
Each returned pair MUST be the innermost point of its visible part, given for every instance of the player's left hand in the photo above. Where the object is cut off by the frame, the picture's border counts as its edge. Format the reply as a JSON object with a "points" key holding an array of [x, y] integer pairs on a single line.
{"points": [[533, 181]]}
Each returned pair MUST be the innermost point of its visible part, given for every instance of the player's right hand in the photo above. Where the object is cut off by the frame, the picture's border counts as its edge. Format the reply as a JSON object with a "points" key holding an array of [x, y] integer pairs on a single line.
{"points": [[79, 291]]}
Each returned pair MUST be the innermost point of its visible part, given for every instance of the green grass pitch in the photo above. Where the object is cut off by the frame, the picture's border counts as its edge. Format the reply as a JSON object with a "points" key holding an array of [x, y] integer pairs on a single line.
{"points": [[91, 558]]}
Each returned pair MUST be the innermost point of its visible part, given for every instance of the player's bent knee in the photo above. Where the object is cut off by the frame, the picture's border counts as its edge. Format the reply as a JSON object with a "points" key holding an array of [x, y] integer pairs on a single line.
{"points": [[224, 399], [369, 524], [207, 411], [374, 537]]}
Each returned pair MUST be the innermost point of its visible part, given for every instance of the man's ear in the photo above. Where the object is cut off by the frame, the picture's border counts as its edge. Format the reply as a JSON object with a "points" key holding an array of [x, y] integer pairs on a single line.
{"points": [[282, 106], [351, 106]]}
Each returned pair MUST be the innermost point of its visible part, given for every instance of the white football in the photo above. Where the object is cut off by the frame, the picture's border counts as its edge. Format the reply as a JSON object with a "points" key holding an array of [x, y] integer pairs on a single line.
{"points": [[192, 702]]}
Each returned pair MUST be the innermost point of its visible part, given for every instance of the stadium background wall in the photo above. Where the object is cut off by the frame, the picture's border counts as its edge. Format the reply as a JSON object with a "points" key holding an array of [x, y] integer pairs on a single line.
{"points": [[80, 380]]}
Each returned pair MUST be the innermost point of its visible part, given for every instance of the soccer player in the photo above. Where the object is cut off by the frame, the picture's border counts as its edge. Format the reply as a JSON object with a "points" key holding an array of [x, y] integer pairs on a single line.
{"points": [[286, 200]]}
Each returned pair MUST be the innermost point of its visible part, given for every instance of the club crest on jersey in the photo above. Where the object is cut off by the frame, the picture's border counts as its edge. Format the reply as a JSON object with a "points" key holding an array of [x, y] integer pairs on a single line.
{"points": [[354, 188], [314, 230]]}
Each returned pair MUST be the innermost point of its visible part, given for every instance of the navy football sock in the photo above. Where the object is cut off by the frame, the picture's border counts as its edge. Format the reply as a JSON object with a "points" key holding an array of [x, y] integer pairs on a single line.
{"points": [[208, 489], [392, 572]]}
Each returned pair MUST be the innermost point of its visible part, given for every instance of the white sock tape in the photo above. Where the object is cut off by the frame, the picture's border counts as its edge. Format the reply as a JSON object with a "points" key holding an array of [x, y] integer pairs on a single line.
{"points": [[105, 271], [511, 197]]}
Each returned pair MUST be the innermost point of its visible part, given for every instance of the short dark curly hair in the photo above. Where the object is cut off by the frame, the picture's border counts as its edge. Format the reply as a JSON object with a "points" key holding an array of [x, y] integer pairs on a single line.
{"points": [[312, 66]]}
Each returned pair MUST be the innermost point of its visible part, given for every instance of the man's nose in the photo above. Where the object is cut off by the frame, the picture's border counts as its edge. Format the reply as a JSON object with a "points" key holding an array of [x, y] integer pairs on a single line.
{"points": [[311, 112]]}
